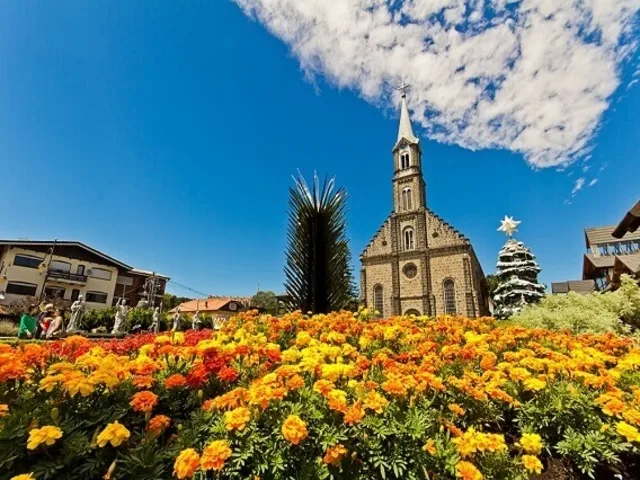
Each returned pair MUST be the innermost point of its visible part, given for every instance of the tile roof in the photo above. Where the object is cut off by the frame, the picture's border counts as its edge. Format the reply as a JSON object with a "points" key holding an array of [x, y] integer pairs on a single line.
{"points": [[578, 286], [210, 304], [599, 235], [600, 262], [630, 222], [632, 262]]}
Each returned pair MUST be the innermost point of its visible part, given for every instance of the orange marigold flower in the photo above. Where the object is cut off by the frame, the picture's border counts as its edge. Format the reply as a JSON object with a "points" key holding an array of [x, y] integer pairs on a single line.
{"points": [[394, 387], [354, 414], [4, 410], [631, 415], [186, 463], [456, 409], [613, 407], [323, 387], [430, 447], [214, 455], [175, 381], [468, 471], [144, 401], [158, 424], [488, 361], [295, 382], [337, 400], [143, 381], [532, 464], [294, 430], [237, 419], [334, 454]]}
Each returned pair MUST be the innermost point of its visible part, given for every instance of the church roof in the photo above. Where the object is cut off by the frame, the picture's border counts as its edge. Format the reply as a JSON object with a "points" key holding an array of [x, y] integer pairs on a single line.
{"points": [[405, 131]]}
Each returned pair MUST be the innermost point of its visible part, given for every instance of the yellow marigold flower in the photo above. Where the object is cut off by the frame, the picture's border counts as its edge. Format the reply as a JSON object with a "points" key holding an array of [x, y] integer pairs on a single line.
{"points": [[630, 432], [294, 429], [177, 338], [531, 443], [49, 382], [162, 339], [79, 384], [376, 402], [114, 433], [214, 455], [468, 471], [186, 463], [532, 464], [430, 447], [631, 415], [237, 419], [334, 454], [534, 384], [4, 410], [456, 409], [24, 476], [47, 435]]}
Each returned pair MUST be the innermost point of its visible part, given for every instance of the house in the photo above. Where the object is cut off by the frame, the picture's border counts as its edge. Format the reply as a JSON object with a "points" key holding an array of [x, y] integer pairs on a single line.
{"points": [[215, 307], [64, 269], [604, 249], [630, 223], [137, 284], [583, 287]]}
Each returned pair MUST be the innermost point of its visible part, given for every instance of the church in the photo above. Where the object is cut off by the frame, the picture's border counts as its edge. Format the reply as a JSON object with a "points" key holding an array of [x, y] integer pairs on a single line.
{"points": [[416, 262]]}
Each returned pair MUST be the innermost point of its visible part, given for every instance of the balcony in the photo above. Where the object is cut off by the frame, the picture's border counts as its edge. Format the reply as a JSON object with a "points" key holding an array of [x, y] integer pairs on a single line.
{"points": [[66, 276]]}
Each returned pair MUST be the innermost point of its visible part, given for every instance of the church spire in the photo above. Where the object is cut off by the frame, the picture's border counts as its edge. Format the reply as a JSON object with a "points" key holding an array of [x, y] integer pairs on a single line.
{"points": [[405, 131]]}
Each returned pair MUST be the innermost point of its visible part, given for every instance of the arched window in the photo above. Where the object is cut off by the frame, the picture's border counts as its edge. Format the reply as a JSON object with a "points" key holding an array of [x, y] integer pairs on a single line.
{"points": [[412, 311], [409, 243], [449, 297], [378, 299], [407, 202], [405, 160]]}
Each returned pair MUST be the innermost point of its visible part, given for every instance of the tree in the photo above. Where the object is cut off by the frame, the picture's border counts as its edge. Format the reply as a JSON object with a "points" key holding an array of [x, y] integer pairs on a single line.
{"points": [[170, 301], [517, 275], [265, 300], [318, 273], [492, 283]]}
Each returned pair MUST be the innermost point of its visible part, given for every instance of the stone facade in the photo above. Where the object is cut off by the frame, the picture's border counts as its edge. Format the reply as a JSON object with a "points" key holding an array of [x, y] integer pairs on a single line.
{"points": [[416, 262]]}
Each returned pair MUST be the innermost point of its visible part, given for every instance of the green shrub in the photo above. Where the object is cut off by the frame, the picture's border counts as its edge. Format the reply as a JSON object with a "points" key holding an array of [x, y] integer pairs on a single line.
{"points": [[617, 312], [8, 328]]}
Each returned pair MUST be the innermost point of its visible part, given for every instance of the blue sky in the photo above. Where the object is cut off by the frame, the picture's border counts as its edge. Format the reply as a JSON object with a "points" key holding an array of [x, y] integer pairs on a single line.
{"points": [[166, 134]]}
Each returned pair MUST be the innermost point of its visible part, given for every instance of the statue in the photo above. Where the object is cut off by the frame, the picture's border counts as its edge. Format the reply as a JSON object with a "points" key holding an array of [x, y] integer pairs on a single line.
{"points": [[143, 303], [195, 321], [121, 316], [176, 321], [77, 310], [155, 324]]}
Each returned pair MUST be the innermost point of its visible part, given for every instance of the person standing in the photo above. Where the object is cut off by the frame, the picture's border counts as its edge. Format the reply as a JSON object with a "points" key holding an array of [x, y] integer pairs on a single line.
{"points": [[27, 328]]}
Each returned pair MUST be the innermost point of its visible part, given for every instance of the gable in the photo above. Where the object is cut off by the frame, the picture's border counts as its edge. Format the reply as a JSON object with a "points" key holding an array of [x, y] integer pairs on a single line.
{"points": [[381, 242], [441, 234]]}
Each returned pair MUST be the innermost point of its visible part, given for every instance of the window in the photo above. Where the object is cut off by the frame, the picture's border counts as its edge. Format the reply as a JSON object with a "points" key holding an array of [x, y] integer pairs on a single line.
{"points": [[378, 299], [408, 239], [406, 199], [449, 297], [21, 288], [100, 273], [75, 293], [80, 270], [412, 311], [54, 292], [410, 270], [96, 297], [471, 306], [124, 280], [60, 266], [405, 160], [27, 261]]}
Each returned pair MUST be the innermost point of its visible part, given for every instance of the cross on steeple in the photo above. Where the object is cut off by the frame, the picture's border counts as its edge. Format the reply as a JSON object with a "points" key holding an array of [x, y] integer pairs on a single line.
{"points": [[403, 89]]}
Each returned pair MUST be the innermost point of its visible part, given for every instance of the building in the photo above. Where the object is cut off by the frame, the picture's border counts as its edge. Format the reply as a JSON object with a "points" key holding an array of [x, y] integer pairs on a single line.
{"points": [[416, 262], [215, 307], [137, 284], [630, 223], [604, 251], [582, 287], [65, 269]]}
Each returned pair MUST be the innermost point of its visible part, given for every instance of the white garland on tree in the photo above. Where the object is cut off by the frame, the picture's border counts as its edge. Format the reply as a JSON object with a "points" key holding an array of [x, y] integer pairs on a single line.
{"points": [[517, 274]]}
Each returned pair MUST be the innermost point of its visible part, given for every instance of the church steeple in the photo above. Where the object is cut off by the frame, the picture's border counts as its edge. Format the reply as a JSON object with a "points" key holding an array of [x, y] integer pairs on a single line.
{"points": [[408, 185], [405, 131]]}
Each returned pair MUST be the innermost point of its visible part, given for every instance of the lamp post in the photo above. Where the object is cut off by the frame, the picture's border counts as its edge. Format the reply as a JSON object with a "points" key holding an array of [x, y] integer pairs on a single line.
{"points": [[46, 272]]}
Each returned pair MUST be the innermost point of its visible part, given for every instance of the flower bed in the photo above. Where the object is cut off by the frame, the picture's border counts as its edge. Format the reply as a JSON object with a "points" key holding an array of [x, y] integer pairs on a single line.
{"points": [[323, 397]]}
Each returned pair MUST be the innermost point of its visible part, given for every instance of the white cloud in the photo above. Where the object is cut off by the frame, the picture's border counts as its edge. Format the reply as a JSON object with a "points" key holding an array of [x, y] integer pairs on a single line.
{"points": [[531, 76], [578, 186], [593, 182]]}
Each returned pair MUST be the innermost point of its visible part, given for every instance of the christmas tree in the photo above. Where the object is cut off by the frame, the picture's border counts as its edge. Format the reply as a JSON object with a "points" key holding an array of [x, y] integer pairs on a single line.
{"points": [[517, 275]]}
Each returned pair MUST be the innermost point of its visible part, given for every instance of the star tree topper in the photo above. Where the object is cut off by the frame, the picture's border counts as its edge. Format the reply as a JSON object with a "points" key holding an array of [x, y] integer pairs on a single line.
{"points": [[509, 226]]}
